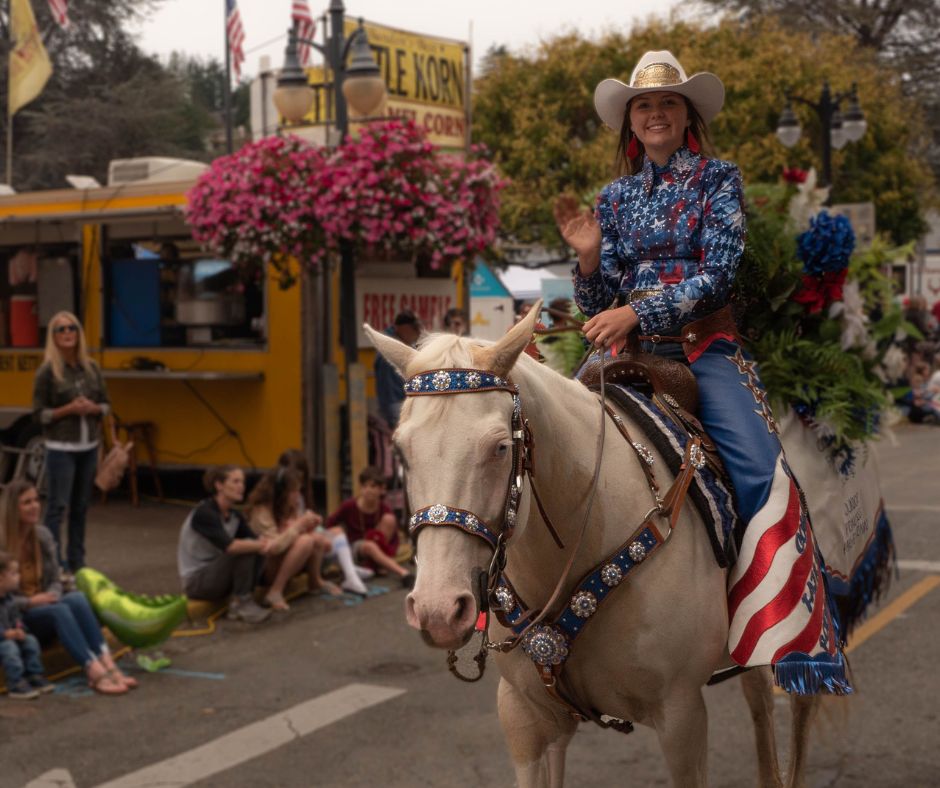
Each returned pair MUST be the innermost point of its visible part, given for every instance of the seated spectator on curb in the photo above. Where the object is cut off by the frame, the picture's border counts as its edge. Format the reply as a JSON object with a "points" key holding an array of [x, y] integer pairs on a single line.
{"points": [[353, 576], [295, 544], [19, 650], [371, 526], [218, 554], [47, 612]]}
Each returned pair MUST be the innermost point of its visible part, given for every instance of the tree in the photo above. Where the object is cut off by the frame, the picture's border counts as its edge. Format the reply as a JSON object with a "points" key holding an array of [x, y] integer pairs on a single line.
{"points": [[902, 32], [536, 113], [107, 99]]}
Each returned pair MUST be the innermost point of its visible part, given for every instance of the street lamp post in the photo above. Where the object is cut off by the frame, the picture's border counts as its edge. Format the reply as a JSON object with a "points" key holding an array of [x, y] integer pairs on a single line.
{"points": [[360, 85], [837, 128]]}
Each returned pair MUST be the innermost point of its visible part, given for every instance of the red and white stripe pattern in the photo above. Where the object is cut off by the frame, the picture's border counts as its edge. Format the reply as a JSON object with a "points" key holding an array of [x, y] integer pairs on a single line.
{"points": [[60, 12], [306, 27], [235, 34], [776, 598]]}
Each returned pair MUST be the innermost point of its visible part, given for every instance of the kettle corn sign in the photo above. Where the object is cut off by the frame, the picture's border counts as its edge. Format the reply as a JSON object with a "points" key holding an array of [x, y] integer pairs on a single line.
{"points": [[426, 79]]}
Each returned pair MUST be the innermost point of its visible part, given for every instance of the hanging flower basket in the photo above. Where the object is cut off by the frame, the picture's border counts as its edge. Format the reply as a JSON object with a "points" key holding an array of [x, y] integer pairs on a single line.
{"points": [[389, 192], [254, 205]]}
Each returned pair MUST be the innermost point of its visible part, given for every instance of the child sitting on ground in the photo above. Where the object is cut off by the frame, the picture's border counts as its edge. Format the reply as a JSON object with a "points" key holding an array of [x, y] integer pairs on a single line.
{"points": [[371, 526], [19, 650]]}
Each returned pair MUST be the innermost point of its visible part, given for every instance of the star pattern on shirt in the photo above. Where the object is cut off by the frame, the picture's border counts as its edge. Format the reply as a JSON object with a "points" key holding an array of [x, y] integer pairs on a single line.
{"points": [[686, 305], [678, 228]]}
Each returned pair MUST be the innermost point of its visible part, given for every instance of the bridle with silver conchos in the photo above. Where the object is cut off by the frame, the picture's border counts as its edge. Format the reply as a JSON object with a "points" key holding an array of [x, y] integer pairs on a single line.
{"points": [[547, 645]]}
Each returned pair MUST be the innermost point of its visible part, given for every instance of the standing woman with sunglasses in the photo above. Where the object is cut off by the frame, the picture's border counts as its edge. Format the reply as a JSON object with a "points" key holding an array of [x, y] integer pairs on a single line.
{"points": [[70, 401]]}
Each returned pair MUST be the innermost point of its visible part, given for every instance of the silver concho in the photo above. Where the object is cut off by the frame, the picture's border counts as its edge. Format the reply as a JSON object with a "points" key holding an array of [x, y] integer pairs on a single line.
{"points": [[545, 645], [441, 380], [437, 513], [474, 380], [471, 522], [611, 575], [669, 399], [583, 604], [637, 552], [645, 453], [697, 457], [505, 598]]}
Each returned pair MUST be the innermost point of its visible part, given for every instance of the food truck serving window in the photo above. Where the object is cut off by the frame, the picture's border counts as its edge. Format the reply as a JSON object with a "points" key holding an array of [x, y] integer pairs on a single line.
{"points": [[169, 293]]}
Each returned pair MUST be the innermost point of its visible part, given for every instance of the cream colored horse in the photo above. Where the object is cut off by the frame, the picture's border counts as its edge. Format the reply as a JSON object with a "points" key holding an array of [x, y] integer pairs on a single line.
{"points": [[649, 650]]}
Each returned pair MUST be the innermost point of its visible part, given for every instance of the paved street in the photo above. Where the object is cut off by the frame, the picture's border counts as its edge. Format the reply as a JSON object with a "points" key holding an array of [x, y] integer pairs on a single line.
{"points": [[337, 695]]}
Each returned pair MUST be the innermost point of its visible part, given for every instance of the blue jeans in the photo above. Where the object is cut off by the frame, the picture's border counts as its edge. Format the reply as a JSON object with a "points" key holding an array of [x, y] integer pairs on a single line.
{"points": [[72, 621], [20, 658], [69, 476]]}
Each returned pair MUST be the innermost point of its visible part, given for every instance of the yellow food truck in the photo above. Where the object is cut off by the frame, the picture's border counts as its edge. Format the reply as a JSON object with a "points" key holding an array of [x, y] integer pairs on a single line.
{"points": [[224, 364]]}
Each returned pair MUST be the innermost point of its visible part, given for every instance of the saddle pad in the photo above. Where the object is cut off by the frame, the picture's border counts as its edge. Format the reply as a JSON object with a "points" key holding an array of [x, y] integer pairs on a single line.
{"points": [[710, 495]]}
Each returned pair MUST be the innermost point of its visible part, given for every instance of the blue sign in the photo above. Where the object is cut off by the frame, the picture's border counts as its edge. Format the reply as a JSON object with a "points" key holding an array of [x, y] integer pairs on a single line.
{"points": [[485, 284]]}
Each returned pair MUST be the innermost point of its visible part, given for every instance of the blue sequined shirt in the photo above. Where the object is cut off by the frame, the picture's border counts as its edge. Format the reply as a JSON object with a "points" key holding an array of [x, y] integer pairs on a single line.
{"points": [[678, 229]]}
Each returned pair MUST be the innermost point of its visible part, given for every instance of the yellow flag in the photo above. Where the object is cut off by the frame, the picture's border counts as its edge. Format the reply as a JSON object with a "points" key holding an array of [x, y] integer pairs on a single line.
{"points": [[30, 67]]}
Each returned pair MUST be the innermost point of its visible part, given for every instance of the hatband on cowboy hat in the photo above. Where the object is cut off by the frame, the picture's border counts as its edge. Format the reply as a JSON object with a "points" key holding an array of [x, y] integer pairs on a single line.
{"points": [[658, 71]]}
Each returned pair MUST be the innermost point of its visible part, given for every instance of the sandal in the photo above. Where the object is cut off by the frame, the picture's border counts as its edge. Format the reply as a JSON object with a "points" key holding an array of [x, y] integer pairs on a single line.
{"points": [[128, 681], [107, 684], [330, 588], [276, 602]]}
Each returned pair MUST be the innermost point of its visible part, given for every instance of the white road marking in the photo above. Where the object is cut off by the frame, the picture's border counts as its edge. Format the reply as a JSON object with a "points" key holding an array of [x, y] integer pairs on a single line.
{"points": [[927, 507], [920, 566], [257, 738], [57, 778]]}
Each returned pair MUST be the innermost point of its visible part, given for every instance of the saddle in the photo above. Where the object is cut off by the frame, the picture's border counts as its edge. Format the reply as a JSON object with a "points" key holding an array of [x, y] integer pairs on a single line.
{"points": [[668, 383]]}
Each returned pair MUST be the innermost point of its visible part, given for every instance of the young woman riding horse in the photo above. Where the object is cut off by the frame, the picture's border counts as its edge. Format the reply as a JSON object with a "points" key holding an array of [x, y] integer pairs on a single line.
{"points": [[518, 474], [659, 256]]}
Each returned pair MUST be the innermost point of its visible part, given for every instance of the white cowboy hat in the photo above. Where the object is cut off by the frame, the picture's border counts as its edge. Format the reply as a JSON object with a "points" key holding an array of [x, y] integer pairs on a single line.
{"points": [[659, 71]]}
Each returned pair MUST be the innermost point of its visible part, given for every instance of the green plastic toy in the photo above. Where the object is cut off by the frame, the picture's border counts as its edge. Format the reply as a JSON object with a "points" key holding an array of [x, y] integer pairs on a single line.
{"points": [[136, 620]]}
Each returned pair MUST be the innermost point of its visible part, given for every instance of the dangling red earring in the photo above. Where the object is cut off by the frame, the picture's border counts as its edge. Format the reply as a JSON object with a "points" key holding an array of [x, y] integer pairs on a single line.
{"points": [[633, 149], [692, 142]]}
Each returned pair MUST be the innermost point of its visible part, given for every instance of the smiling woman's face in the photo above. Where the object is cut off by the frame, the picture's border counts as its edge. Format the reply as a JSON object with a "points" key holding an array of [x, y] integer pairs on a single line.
{"points": [[660, 121]]}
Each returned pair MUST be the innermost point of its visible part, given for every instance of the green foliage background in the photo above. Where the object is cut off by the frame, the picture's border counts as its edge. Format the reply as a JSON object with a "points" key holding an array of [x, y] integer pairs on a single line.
{"points": [[536, 113]]}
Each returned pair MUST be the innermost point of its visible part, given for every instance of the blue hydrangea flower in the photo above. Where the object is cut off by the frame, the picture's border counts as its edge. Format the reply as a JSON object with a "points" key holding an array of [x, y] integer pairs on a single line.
{"points": [[827, 245]]}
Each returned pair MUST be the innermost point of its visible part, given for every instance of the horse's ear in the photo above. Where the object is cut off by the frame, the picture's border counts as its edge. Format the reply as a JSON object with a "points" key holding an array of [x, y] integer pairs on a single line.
{"points": [[395, 352], [501, 357]]}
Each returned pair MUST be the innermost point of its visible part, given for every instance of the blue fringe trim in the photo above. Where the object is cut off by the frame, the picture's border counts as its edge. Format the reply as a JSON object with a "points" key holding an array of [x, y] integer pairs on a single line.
{"points": [[871, 579], [802, 674]]}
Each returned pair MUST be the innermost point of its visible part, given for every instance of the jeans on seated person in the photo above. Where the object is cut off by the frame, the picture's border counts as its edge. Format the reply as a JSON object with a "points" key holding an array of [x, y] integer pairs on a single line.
{"points": [[73, 622], [20, 658], [228, 575]]}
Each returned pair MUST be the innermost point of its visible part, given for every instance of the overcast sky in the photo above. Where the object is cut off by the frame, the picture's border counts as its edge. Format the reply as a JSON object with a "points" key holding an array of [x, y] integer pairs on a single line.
{"points": [[196, 26]]}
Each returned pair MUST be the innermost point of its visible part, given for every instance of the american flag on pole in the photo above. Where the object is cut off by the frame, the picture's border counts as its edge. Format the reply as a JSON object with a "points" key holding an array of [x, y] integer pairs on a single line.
{"points": [[306, 28], [235, 34], [60, 12]]}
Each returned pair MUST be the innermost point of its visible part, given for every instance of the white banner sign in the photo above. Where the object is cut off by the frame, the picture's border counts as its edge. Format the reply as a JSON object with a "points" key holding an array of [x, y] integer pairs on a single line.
{"points": [[378, 301]]}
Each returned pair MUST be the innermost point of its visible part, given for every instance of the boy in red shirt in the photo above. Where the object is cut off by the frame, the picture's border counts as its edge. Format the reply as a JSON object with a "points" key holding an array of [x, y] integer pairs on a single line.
{"points": [[371, 526]]}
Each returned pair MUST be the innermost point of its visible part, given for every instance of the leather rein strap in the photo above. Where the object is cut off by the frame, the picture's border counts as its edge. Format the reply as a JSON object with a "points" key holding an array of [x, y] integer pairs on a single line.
{"points": [[459, 381]]}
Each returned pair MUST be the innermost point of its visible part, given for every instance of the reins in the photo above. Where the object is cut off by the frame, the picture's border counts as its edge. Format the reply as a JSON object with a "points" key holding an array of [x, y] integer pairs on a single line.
{"points": [[512, 642], [547, 644]]}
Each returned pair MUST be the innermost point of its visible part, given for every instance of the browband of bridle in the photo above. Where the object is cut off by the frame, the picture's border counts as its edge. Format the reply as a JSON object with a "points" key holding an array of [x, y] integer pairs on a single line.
{"points": [[468, 381]]}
